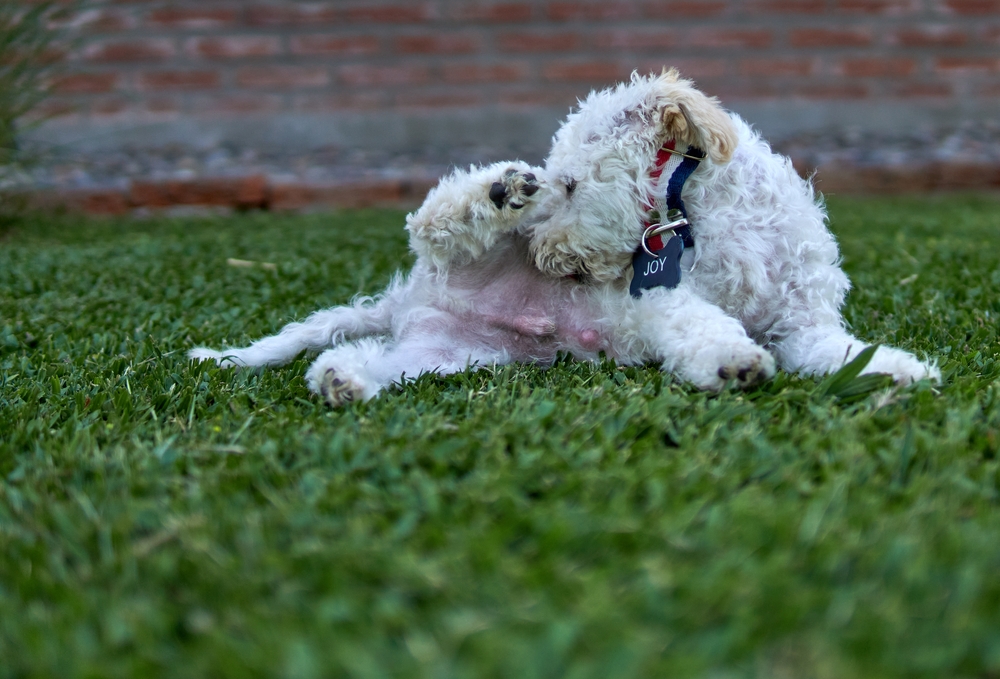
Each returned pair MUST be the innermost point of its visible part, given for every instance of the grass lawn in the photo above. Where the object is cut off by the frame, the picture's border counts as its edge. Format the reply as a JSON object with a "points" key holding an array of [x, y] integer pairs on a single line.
{"points": [[162, 518]]}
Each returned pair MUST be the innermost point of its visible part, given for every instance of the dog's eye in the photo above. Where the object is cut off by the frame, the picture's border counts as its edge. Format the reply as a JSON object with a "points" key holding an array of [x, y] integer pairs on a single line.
{"points": [[570, 186]]}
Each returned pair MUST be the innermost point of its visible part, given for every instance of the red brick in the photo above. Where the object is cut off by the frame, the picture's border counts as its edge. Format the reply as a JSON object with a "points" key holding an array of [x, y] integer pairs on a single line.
{"points": [[689, 67], [940, 35], [238, 192], [415, 12], [89, 201], [878, 7], [967, 64], [922, 90], [351, 45], [354, 101], [788, 6], [291, 14], [485, 73], [491, 12], [161, 106], [538, 41], [777, 67], [86, 83], [367, 75], [958, 176], [234, 47], [425, 100], [107, 20], [535, 97], [191, 17], [971, 7], [637, 39], [178, 80], [876, 68], [151, 49], [991, 90], [107, 107], [583, 71], [237, 103], [366, 193], [684, 9], [732, 90], [733, 37], [591, 10], [437, 44], [990, 36], [283, 77], [831, 37], [829, 91], [54, 107]]}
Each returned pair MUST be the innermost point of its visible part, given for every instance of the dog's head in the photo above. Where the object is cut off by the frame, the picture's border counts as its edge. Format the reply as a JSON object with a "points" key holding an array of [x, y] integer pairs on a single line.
{"points": [[597, 174]]}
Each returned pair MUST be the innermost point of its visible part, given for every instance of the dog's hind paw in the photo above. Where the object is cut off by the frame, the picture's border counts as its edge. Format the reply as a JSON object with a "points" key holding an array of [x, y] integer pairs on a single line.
{"points": [[339, 381], [514, 189], [338, 389]]}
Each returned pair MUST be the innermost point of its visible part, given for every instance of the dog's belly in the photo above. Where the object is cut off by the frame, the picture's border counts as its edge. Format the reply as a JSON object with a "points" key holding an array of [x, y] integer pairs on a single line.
{"points": [[503, 302]]}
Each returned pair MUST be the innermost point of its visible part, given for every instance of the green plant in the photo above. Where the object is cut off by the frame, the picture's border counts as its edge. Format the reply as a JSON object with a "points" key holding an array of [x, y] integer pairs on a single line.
{"points": [[29, 35]]}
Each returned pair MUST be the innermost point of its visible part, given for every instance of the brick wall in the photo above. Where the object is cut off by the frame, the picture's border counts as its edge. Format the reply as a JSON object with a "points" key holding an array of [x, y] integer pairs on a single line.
{"points": [[408, 73]]}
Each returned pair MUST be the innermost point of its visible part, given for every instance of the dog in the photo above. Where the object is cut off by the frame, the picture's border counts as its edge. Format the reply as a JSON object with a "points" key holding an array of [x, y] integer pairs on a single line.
{"points": [[520, 263], [473, 298], [762, 286]]}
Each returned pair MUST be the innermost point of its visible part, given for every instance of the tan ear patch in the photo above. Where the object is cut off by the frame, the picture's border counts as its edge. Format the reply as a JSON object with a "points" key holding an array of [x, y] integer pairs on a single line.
{"points": [[675, 124]]}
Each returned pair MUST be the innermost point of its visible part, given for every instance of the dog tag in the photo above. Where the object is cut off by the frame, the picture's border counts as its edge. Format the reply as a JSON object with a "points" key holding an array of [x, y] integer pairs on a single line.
{"points": [[661, 271]]}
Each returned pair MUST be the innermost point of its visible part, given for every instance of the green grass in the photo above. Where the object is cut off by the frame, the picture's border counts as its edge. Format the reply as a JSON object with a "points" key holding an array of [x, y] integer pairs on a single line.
{"points": [[161, 518]]}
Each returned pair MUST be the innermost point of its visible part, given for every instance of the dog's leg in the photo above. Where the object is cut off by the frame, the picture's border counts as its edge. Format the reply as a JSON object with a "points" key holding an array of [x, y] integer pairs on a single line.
{"points": [[360, 370], [467, 212], [696, 340], [822, 349], [319, 331]]}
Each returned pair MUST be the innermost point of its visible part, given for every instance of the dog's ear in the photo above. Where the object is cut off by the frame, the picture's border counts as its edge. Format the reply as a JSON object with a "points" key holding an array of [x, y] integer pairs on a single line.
{"points": [[688, 115], [675, 124]]}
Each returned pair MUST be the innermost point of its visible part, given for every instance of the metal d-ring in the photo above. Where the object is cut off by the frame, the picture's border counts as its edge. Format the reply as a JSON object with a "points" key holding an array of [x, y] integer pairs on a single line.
{"points": [[657, 229]]}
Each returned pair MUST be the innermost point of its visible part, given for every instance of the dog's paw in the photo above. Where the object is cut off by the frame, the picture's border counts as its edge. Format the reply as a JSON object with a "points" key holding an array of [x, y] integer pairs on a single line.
{"points": [[340, 381], [555, 254], [514, 190], [742, 365], [904, 367], [338, 390]]}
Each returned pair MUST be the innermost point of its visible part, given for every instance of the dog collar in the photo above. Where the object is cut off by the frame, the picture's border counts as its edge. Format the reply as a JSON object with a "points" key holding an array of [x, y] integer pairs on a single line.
{"points": [[657, 263]]}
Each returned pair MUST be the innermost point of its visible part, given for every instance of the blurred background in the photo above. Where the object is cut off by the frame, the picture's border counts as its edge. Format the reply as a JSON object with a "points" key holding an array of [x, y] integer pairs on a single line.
{"points": [[289, 104]]}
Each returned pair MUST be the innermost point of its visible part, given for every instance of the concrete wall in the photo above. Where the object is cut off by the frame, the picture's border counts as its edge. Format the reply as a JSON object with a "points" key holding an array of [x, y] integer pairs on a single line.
{"points": [[402, 75]]}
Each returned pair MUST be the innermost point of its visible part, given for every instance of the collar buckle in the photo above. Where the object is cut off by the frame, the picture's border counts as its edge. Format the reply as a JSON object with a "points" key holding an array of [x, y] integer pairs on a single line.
{"points": [[657, 229]]}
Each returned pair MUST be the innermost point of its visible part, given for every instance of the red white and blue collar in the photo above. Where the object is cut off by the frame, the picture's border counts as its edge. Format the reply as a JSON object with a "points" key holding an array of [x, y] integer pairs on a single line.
{"points": [[656, 263]]}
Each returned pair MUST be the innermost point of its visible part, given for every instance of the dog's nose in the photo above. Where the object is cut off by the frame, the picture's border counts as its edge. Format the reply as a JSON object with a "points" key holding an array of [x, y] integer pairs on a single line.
{"points": [[497, 194]]}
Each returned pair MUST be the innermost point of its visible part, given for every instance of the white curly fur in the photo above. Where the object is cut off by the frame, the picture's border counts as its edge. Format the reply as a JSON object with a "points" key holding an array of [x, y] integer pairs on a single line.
{"points": [[764, 255], [495, 246]]}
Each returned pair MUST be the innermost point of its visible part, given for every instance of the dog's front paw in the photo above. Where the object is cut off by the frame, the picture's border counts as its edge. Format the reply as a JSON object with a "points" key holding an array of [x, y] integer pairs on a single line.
{"points": [[556, 254], [514, 190], [743, 365]]}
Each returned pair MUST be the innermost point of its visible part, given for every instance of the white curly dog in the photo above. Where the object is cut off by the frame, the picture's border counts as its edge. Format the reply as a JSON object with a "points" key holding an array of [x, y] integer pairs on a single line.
{"points": [[516, 263]]}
